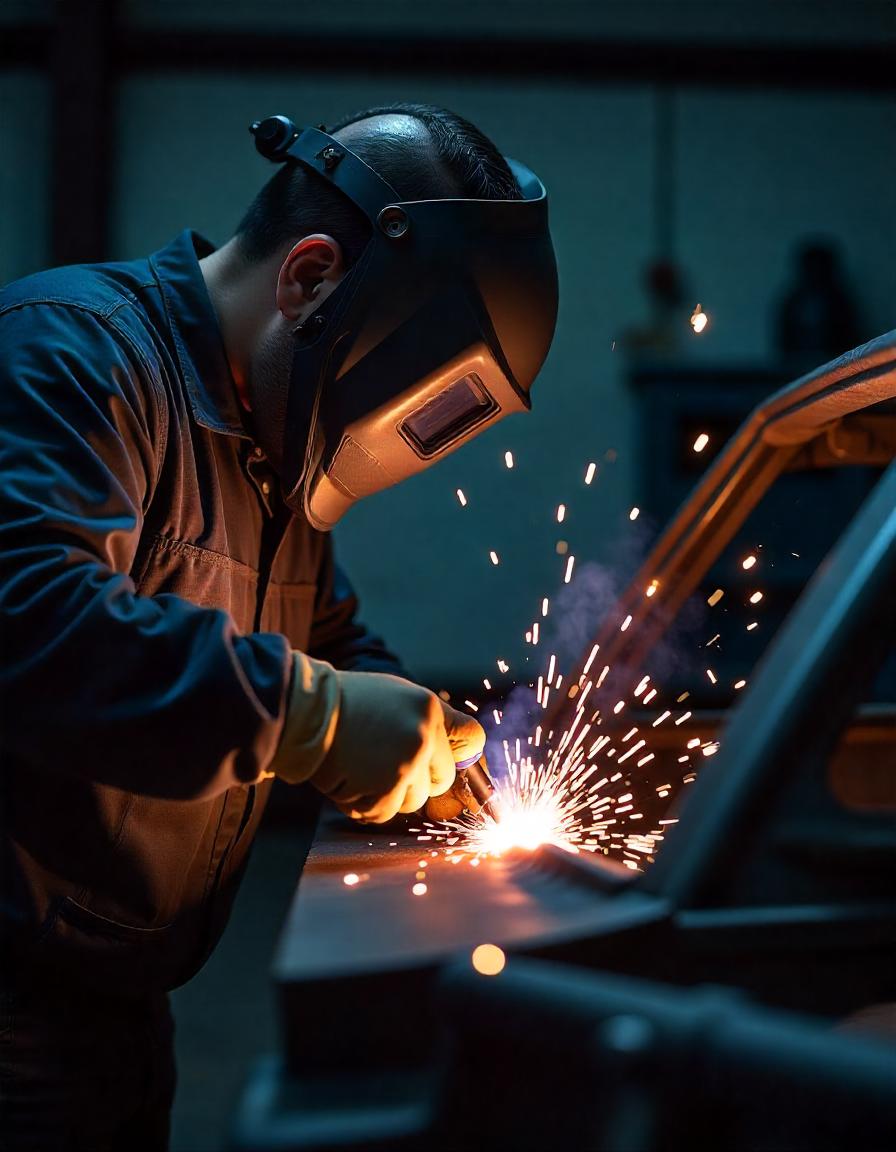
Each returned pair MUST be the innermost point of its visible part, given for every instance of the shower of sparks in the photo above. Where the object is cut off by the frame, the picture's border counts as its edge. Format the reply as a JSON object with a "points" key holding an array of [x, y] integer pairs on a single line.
{"points": [[461, 498], [701, 442], [699, 320], [589, 474], [508, 459], [634, 514], [560, 789]]}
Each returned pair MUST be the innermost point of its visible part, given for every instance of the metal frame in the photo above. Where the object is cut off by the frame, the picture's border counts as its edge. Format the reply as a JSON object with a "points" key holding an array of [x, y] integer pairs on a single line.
{"points": [[768, 884]]}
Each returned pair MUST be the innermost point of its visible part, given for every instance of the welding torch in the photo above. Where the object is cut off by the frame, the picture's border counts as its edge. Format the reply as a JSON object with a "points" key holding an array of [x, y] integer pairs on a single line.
{"points": [[475, 788]]}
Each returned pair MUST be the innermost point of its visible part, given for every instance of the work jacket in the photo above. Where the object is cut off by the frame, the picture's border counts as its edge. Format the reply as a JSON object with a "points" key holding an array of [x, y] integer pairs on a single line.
{"points": [[152, 586]]}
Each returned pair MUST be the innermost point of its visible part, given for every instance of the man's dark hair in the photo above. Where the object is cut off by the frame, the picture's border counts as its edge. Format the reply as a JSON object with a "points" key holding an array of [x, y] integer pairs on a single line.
{"points": [[461, 162]]}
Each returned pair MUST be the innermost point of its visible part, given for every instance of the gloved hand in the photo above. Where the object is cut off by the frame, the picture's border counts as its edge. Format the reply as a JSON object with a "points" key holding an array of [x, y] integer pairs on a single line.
{"points": [[375, 744]]}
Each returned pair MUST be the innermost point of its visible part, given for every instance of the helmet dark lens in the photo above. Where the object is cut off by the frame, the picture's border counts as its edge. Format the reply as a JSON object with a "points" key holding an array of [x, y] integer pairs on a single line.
{"points": [[455, 411]]}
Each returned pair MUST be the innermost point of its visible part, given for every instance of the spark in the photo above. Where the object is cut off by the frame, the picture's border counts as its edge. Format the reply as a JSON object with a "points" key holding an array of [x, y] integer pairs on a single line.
{"points": [[590, 660], [351, 879], [535, 632], [561, 548], [617, 708], [682, 697], [711, 675], [503, 666], [699, 320], [487, 683], [635, 513], [508, 459], [710, 749], [544, 606], [748, 562], [650, 695], [419, 889], [461, 498], [701, 442], [493, 556], [488, 959], [740, 684], [684, 716], [625, 623], [651, 588], [561, 513], [755, 624], [470, 704], [756, 597], [569, 566], [589, 474], [715, 598]]}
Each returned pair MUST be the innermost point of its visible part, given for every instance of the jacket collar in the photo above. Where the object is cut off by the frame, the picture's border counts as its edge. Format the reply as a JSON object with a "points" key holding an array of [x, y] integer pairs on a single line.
{"points": [[197, 336]]}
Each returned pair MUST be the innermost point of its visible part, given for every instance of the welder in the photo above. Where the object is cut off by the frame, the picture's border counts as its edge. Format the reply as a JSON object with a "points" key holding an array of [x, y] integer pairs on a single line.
{"points": [[177, 437]]}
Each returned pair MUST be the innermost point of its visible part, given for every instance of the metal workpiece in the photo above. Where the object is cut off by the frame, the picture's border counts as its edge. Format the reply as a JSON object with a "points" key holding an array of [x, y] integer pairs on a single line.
{"points": [[357, 959]]}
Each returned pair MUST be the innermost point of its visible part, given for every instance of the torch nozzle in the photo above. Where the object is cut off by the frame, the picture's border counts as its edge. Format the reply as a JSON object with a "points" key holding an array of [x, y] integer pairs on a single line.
{"points": [[481, 787]]}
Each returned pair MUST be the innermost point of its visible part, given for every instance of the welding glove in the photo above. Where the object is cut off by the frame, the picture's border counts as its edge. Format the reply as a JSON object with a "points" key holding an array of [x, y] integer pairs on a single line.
{"points": [[375, 744]]}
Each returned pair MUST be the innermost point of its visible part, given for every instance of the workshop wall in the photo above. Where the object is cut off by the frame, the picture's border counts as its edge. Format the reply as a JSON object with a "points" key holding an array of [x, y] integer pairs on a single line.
{"points": [[747, 174]]}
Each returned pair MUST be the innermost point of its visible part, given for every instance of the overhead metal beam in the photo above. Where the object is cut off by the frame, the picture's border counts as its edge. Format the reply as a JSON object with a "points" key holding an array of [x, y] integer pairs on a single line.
{"points": [[822, 66]]}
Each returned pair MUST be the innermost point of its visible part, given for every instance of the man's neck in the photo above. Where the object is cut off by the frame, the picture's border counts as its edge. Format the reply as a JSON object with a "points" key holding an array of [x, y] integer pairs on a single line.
{"points": [[237, 290]]}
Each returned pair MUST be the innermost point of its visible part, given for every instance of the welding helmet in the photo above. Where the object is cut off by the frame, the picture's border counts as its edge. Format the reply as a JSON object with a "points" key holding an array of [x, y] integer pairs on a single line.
{"points": [[436, 332]]}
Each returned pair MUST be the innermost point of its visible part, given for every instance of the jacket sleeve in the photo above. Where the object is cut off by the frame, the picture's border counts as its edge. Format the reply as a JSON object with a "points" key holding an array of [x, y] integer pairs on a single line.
{"points": [[152, 695], [336, 634]]}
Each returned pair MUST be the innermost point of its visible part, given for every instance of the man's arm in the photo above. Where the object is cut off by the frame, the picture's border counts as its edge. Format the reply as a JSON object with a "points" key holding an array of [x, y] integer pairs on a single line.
{"points": [[152, 695], [337, 635]]}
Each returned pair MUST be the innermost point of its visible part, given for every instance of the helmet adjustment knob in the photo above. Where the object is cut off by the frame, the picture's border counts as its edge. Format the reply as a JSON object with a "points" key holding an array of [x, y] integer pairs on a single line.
{"points": [[393, 221]]}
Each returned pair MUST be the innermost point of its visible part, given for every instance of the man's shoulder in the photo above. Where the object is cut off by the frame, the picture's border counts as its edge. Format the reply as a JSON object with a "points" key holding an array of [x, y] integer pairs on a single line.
{"points": [[99, 289]]}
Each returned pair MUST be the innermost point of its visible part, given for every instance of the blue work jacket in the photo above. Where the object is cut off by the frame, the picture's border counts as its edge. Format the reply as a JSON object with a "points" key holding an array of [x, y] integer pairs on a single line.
{"points": [[152, 585]]}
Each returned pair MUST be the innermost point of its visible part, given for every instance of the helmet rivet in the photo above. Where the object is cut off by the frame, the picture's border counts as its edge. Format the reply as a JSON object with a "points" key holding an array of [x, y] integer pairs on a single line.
{"points": [[393, 221]]}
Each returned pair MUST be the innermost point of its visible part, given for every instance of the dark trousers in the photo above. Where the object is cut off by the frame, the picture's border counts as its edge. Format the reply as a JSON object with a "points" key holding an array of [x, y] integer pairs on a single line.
{"points": [[82, 1071]]}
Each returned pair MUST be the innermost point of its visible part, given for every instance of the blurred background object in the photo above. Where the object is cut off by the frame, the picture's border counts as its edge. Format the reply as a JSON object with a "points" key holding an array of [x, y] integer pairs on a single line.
{"points": [[816, 318]]}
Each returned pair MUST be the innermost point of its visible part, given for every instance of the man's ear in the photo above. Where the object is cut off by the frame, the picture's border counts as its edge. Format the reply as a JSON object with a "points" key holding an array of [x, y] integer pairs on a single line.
{"points": [[313, 268]]}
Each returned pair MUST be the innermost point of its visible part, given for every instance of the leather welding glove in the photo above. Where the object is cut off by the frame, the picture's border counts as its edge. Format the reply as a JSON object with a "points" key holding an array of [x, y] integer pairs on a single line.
{"points": [[375, 744]]}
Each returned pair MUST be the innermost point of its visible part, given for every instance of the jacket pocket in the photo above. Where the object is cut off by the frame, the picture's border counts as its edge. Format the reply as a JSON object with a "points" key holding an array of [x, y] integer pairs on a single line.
{"points": [[289, 609], [84, 919], [208, 579], [120, 959]]}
